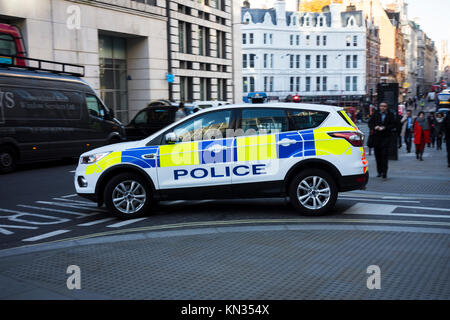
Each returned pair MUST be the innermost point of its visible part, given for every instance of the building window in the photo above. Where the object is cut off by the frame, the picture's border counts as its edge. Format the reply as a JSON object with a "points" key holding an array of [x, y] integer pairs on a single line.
{"points": [[318, 61], [355, 41], [251, 38], [245, 84], [307, 40], [265, 60], [271, 84], [185, 37], [186, 88], [270, 38], [205, 89], [324, 83], [297, 61], [248, 84], [221, 45], [355, 61], [308, 84], [308, 61], [113, 75], [204, 41], [324, 40], [291, 87], [355, 83], [297, 84], [291, 61], [324, 62], [221, 90], [244, 61], [252, 84], [318, 40], [347, 83], [297, 40], [244, 38], [252, 60], [321, 22], [266, 80], [347, 61], [265, 38], [347, 40], [291, 39], [317, 83]]}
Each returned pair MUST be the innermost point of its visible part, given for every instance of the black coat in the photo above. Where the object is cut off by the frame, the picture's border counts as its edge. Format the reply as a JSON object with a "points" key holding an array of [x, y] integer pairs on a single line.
{"points": [[382, 138]]}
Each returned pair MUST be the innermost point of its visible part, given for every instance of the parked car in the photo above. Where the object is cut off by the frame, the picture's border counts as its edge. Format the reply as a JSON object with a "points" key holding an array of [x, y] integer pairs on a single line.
{"points": [[307, 152], [199, 105], [46, 116]]}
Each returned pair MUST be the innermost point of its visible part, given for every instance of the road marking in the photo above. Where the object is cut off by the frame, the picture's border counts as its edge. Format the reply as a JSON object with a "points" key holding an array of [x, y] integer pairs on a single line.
{"points": [[69, 205], [16, 217], [124, 223], [46, 235], [69, 196], [426, 208], [87, 224], [380, 200], [90, 204], [388, 210], [7, 232], [55, 210]]}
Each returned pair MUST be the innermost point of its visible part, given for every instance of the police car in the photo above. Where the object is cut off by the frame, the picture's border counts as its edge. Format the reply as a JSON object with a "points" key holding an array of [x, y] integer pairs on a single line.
{"points": [[306, 152]]}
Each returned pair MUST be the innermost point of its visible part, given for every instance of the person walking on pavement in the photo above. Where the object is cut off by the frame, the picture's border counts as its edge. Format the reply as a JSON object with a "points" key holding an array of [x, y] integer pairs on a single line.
{"points": [[180, 114], [447, 136], [421, 134], [406, 132], [382, 123], [432, 123], [439, 130]]}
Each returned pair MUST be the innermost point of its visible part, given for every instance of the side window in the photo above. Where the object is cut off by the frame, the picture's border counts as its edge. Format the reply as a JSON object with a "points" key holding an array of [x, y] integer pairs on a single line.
{"points": [[94, 107], [7, 45], [212, 125], [162, 114], [141, 118], [263, 121], [306, 119]]}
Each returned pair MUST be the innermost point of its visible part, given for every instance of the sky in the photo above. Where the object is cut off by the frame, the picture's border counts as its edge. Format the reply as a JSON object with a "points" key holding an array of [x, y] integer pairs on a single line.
{"points": [[433, 16]]}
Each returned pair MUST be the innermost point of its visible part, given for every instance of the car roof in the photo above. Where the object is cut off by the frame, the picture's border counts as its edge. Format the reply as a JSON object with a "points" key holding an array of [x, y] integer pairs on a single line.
{"points": [[40, 75], [281, 105]]}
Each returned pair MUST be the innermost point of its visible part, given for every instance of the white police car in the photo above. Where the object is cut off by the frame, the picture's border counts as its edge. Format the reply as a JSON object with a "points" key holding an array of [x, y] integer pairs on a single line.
{"points": [[307, 152]]}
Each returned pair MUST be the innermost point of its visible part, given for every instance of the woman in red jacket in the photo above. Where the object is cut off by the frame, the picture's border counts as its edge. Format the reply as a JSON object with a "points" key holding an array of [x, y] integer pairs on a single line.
{"points": [[421, 134]]}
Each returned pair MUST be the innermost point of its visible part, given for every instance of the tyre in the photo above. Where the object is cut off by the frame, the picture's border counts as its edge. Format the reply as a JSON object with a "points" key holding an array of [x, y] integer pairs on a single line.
{"points": [[8, 159], [128, 196], [313, 192]]}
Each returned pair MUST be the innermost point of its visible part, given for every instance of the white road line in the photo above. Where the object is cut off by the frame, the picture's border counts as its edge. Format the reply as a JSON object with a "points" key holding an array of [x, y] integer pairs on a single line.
{"points": [[46, 235], [70, 205], [90, 204], [17, 217], [55, 210], [87, 224], [379, 200], [7, 232], [124, 223], [426, 208], [69, 196], [388, 210]]}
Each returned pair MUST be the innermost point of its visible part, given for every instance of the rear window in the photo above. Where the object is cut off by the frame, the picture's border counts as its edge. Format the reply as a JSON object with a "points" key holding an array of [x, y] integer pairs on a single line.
{"points": [[346, 118], [40, 104], [306, 119]]}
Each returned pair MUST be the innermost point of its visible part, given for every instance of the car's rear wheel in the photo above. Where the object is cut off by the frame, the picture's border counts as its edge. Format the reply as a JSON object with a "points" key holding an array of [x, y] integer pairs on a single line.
{"points": [[313, 192], [8, 159], [128, 195]]}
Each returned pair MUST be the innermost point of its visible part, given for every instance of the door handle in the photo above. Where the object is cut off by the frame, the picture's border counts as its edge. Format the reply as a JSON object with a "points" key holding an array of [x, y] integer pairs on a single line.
{"points": [[148, 156], [287, 142]]}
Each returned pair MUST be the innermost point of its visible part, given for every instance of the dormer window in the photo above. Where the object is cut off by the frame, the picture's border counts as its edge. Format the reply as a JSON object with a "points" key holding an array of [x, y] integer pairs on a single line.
{"points": [[351, 22]]}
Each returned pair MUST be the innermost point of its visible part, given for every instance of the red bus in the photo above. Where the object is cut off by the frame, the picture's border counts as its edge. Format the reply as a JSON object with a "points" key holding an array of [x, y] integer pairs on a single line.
{"points": [[11, 44]]}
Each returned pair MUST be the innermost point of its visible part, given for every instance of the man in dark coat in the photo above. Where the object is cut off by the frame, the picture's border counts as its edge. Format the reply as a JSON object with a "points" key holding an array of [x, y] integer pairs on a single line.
{"points": [[382, 123]]}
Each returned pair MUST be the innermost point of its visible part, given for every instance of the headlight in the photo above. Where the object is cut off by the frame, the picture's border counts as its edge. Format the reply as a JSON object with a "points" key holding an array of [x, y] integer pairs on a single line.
{"points": [[92, 158]]}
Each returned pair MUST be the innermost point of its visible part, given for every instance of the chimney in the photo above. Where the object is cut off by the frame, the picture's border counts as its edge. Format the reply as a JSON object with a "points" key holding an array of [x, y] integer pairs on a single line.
{"points": [[335, 9], [280, 11]]}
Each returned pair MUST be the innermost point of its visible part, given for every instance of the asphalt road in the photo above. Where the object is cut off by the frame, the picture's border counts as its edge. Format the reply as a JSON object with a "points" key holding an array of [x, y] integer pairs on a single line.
{"points": [[38, 204]]}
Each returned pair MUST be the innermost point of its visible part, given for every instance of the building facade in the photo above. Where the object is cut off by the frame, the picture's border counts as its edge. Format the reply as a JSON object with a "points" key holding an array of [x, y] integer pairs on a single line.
{"points": [[201, 54], [372, 60], [122, 44], [315, 55]]}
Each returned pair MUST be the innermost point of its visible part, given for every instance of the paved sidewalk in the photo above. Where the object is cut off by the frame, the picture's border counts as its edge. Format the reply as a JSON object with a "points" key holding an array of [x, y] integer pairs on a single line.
{"points": [[253, 262], [409, 175]]}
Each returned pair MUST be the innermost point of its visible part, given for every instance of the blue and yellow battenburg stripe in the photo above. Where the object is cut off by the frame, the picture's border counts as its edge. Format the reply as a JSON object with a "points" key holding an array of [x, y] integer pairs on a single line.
{"points": [[251, 148]]}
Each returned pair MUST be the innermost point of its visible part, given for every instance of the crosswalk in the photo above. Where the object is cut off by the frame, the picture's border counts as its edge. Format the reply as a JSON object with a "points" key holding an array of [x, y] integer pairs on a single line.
{"points": [[68, 215]]}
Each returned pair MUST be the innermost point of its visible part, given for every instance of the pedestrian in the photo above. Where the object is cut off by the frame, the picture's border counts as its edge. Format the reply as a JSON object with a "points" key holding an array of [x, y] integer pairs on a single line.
{"points": [[439, 130], [447, 136], [406, 131], [421, 134], [432, 123], [422, 104], [382, 123], [181, 113]]}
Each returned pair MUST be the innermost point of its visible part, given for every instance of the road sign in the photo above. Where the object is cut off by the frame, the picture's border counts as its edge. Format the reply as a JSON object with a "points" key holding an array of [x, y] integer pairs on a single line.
{"points": [[170, 78]]}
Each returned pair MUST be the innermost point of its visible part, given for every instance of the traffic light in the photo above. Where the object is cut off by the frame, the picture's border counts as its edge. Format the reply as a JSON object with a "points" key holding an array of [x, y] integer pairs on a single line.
{"points": [[296, 98]]}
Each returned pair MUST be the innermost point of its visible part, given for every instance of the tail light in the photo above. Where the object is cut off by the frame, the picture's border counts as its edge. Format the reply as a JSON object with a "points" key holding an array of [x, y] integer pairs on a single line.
{"points": [[355, 138]]}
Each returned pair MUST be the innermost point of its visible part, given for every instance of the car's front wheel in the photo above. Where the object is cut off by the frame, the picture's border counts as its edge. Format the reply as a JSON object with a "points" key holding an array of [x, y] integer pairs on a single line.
{"points": [[8, 159], [313, 192], [127, 196]]}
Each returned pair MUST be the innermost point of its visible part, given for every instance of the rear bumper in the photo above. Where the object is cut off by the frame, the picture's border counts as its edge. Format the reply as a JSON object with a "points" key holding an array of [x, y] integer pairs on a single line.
{"points": [[354, 182]]}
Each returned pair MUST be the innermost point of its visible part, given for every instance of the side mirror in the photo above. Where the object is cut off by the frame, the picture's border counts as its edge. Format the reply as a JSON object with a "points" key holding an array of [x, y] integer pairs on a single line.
{"points": [[171, 138]]}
